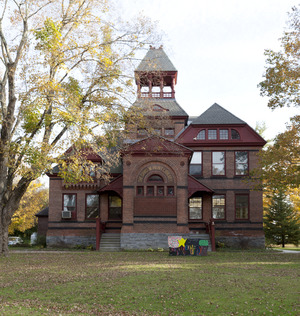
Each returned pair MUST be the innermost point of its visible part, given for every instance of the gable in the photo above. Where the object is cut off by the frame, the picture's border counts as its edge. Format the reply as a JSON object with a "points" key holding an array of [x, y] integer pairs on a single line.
{"points": [[157, 146], [218, 127]]}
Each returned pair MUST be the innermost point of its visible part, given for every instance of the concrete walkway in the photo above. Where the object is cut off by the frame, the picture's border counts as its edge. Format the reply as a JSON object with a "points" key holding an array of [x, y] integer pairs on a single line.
{"points": [[287, 251]]}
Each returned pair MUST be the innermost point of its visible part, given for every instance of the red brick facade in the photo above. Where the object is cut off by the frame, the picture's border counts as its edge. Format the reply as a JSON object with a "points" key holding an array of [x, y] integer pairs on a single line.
{"points": [[162, 190]]}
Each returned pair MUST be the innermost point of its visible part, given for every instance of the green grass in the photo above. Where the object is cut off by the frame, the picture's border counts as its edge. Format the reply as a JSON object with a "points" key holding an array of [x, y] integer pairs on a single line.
{"points": [[141, 283]]}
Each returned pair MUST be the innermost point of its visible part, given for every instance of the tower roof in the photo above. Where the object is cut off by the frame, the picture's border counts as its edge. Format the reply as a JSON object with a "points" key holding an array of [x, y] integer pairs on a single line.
{"points": [[169, 107], [217, 115], [156, 60]]}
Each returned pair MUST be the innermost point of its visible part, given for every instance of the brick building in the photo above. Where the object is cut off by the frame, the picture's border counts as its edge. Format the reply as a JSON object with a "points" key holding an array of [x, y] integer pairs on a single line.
{"points": [[176, 175]]}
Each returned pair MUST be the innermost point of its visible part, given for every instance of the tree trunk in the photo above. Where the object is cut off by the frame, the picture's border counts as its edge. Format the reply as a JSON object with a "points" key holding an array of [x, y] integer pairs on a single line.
{"points": [[7, 210], [3, 237], [283, 241]]}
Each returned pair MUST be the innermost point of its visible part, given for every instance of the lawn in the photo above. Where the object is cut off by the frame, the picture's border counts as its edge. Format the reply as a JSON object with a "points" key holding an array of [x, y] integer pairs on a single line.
{"points": [[142, 283]]}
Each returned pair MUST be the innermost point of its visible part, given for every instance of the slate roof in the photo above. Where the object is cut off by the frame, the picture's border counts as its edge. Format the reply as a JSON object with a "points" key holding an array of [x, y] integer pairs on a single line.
{"points": [[171, 105], [217, 115], [156, 60]]}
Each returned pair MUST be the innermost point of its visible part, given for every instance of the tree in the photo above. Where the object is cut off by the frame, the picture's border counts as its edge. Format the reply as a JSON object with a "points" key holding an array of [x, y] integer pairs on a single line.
{"points": [[34, 200], [63, 82], [281, 221], [280, 162], [282, 76]]}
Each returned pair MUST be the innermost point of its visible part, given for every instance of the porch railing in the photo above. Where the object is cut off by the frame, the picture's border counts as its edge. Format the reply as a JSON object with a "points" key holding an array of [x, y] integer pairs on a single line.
{"points": [[158, 95]]}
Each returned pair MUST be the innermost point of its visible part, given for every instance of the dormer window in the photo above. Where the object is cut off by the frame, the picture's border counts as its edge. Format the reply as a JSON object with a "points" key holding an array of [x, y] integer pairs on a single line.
{"points": [[223, 133], [159, 108], [235, 134], [201, 135], [218, 134], [212, 134]]}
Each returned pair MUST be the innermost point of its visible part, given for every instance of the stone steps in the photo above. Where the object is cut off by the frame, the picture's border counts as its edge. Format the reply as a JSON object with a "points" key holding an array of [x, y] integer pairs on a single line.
{"points": [[110, 242]]}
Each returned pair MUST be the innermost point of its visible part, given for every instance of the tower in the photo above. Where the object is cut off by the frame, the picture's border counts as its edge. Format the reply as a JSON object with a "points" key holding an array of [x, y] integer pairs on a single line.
{"points": [[156, 78]]}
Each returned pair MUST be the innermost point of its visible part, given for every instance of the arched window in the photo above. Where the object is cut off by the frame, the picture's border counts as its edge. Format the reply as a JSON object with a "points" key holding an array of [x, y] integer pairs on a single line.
{"points": [[155, 186], [235, 134], [201, 135], [155, 178]]}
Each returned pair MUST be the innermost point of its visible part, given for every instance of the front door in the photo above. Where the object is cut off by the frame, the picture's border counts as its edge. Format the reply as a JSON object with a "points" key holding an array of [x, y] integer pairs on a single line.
{"points": [[114, 207]]}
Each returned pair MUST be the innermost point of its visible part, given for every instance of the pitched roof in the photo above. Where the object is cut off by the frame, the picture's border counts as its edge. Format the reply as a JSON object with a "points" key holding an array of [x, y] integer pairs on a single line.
{"points": [[217, 115], [43, 212], [170, 105], [157, 145], [115, 185], [196, 186], [156, 60]]}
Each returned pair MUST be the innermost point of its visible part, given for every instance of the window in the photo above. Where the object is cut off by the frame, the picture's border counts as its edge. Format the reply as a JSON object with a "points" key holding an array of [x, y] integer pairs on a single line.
{"points": [[241, 163], [242, 206], [218, 206], [157, 107], [150, 191], [201, 135], [69, 202], [115, 207], [170, 191], [169, 132], [140, 190], [155, 178], [218, 163], [92, 206], [223, 133], [235, 134], [196, 163], [212, 134], [195, 208], [160, 191]]}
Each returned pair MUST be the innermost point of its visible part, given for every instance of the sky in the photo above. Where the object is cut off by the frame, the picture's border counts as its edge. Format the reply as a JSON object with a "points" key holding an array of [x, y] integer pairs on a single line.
{"points": [[218, 46]]}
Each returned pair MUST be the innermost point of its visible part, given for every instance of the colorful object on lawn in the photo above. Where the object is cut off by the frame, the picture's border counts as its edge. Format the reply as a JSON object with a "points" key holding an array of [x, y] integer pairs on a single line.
{"points": [[181, 242], [173, 241], [203, 243], [178, 246]]}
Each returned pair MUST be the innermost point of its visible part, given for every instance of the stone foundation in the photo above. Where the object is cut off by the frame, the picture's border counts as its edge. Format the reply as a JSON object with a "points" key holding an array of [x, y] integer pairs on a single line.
{"points": [[242, 242], [70, 241], [140, 241]]}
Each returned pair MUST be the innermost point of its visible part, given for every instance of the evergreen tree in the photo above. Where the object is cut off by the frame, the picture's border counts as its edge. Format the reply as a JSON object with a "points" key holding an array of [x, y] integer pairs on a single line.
{"points": [[281, 221]]}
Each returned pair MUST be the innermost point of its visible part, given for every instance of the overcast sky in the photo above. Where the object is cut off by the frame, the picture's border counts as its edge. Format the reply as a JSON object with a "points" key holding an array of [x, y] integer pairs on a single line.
{"points": [[218, 46]]}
